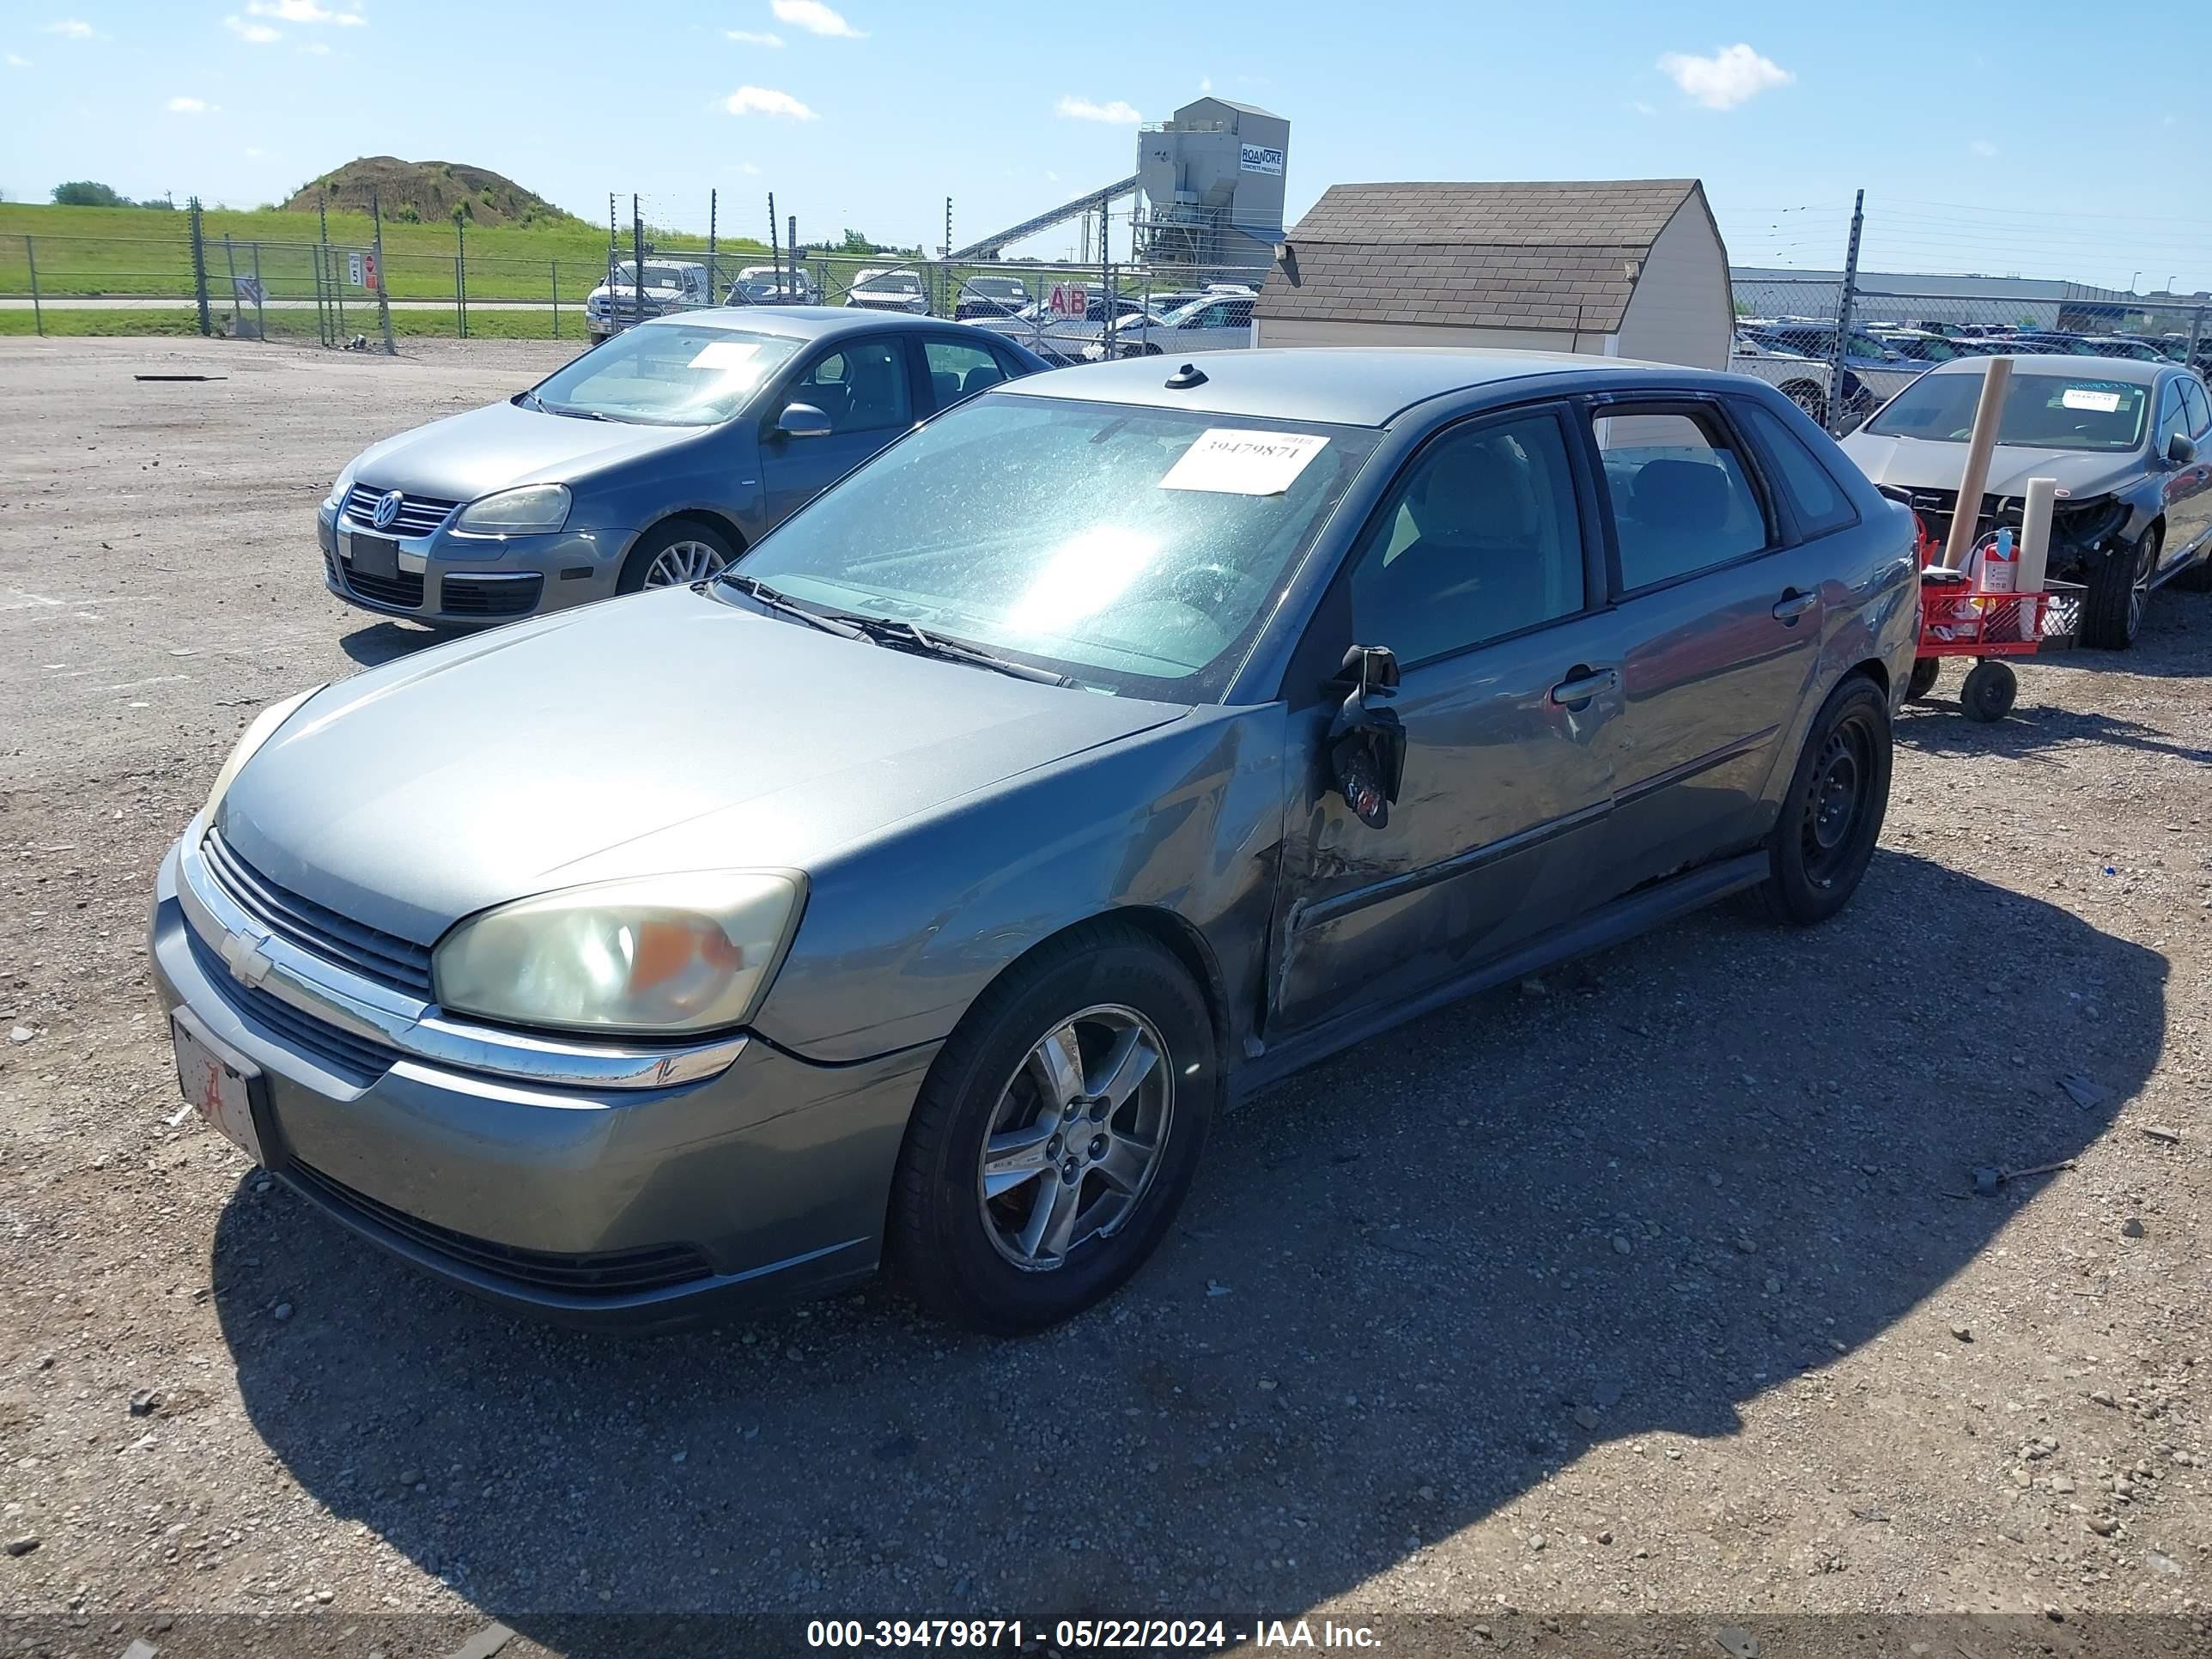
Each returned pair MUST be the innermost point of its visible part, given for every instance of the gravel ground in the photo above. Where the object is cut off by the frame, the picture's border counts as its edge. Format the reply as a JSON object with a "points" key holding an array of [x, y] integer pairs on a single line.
{"points": [[1656, 1285]]}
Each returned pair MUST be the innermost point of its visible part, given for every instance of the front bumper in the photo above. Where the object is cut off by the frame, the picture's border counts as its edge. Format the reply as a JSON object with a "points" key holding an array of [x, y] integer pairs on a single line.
{"points": [[474, 581], [631, 1207]]}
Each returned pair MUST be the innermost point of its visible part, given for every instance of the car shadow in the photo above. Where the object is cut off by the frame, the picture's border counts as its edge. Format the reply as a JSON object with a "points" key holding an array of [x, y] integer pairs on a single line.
{"points": [[1411, 1283], [1936, 725], [386, 641]]}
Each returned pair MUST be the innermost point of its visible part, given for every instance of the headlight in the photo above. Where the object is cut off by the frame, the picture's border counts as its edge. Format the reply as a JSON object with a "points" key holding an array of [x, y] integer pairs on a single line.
{"points": [[343, 487], [533, 507], [263, 728], [655, 956]]}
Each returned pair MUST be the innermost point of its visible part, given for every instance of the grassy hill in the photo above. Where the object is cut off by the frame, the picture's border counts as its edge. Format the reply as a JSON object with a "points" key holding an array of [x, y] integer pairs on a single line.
{"points": [[141, 251], [430, 192]]}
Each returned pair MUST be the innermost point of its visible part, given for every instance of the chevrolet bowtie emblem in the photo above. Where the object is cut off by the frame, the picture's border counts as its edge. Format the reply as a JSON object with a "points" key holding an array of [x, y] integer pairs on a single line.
{"points": [[248, 963]]}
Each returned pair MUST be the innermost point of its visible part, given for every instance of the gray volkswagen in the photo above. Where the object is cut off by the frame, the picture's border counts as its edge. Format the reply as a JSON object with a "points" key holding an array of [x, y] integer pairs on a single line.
{"points": [[1099, 752], [652, 459]]}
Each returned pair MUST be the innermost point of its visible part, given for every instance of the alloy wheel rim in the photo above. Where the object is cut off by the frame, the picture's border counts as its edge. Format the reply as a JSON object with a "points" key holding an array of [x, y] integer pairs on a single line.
{"points": [[1076, 1138], [681, 563], [2139, 590], [1836, 806]]}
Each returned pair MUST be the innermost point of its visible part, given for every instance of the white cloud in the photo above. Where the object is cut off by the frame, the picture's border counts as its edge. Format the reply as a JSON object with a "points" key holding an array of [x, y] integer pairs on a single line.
{"points": [[254, 155], [317, 49], [14, 62], [1983, 146], [1117, 113], [1205, 83], [766, 100], [302, 11], [190, 106], [749, 171], [75, 28], [1642, 108], [815, 18], [256, 34], [1730, 76], [754, 37]]}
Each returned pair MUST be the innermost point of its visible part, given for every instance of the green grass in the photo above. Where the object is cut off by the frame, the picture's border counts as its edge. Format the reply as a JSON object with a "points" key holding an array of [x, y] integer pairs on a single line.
{"points": [[295, 327], [90, 252]]}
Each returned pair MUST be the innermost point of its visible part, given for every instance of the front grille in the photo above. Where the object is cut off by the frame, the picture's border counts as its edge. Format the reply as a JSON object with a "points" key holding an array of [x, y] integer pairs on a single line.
{"points": [[400, 592], [385, 957], [595, 1273], [418, 514], [357, 1059], [1937, 507], [462, 596]]}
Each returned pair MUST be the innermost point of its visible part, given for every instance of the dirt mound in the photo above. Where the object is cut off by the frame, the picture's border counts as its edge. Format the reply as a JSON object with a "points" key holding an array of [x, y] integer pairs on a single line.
{"points": [[428, 192]]}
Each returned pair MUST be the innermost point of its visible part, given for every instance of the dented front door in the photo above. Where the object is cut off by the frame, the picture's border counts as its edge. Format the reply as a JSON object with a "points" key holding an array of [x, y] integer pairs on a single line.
{"points": [[1496, 835]]}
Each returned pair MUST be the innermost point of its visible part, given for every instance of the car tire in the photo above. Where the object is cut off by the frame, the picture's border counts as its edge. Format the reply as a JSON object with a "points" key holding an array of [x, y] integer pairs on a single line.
{"points": [[1925, 670], [694, 544], [1988, 691], [977, 1247], [1810, 399], [2119, 588], [1831, 818]]}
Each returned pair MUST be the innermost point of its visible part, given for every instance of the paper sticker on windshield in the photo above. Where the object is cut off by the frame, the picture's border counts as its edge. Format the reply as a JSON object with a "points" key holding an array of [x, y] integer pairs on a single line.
{"points": [[1237, 463], [724, 354], [2079, 397]]}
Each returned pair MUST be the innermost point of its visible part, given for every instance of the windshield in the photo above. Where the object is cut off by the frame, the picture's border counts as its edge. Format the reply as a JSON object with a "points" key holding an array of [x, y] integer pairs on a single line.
{"points": [[1137, 550], [666, 374], [2041, 412], [895, 282], [655, 275]]}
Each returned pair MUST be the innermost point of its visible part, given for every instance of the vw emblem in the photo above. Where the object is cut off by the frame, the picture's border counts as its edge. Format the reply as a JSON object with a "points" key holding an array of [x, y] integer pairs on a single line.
{"points": [[386, 509]]}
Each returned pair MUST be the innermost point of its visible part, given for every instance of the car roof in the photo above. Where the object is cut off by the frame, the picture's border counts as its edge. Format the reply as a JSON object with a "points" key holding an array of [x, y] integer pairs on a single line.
{"points": [[2134, 370], [796, 322], [1348, 386]]}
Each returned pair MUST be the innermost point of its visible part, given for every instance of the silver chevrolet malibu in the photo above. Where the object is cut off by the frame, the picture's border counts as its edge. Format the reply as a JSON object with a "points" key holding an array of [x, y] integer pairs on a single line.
{"points": [[1105, 749]]}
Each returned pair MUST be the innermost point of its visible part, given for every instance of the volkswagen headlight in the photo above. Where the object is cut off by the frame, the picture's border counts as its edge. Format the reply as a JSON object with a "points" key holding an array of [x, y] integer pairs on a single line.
{"points": [[263, 728], [343, 487], [533, 507], [655, 956]]}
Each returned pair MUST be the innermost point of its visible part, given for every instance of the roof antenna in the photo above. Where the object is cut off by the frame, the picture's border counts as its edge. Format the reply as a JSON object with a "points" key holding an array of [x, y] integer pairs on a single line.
{"points": [[1189, 374]]}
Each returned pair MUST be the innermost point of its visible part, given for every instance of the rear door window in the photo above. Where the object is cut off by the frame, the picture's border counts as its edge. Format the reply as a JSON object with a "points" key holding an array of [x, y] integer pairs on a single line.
{"points": [[1817, 501], [1681, 493]]}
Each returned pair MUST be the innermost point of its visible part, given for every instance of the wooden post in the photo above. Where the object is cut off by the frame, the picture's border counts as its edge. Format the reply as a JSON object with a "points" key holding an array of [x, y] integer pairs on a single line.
{"points": [[1988, 414]]}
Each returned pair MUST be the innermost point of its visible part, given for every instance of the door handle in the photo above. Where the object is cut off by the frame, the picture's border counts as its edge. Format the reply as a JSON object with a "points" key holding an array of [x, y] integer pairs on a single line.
{"points": [[1582, 684], [1793, 605]]}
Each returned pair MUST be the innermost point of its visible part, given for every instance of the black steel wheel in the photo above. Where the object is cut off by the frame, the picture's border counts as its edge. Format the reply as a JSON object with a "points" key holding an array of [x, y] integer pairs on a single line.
{"points": [[1988, 692], [1824, 838]]}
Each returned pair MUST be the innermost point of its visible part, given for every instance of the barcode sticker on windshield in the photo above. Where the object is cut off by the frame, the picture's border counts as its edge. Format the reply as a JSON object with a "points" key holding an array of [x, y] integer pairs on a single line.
{"points": [[724, 354], [2079, 397], [1230, 462]]}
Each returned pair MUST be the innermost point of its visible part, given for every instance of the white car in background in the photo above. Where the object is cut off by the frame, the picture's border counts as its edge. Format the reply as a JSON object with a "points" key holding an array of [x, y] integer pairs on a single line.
{"points": [[671, 286], [1214, 322], [889, 290]]}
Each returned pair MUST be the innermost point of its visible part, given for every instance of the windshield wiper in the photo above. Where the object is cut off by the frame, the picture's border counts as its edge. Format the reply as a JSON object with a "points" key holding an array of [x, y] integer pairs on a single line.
{"points": [[528, 400], [761, 594], [575, 413], [889, 630]]}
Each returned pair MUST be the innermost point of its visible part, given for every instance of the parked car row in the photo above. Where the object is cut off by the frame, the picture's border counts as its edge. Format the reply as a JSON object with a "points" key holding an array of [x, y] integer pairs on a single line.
{"points": [[964, 835]]}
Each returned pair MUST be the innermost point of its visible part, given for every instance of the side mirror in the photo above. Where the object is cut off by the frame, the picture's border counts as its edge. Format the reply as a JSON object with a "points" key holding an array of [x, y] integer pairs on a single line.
{"points": [[1366, 740], [2181, 449], [802, 421]]}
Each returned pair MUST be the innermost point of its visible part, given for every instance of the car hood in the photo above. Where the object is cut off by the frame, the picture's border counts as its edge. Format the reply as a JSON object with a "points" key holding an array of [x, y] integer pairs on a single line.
{"points": [[670, 732], [502, 445], [1921, 464]]}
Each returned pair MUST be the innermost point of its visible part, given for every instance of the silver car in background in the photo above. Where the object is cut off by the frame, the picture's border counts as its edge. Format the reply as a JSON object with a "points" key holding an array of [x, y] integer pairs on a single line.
{"points": [[919, 891]]}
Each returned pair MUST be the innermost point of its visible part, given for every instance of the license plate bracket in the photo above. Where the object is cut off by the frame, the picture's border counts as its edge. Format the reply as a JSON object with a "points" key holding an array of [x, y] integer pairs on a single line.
{"points": [[222, 1086], [377, 556]]}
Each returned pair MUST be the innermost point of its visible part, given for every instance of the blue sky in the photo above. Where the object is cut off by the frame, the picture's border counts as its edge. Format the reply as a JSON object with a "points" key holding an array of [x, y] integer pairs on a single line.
{"points": [[869, 113]]}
